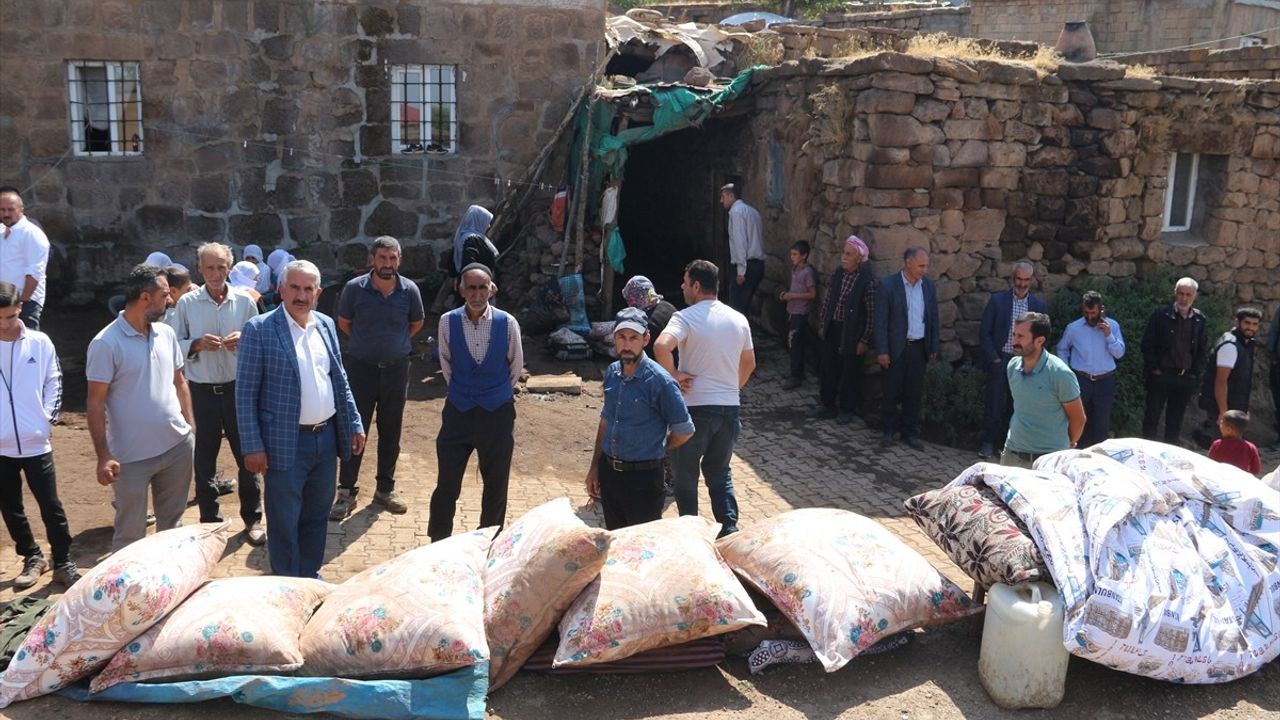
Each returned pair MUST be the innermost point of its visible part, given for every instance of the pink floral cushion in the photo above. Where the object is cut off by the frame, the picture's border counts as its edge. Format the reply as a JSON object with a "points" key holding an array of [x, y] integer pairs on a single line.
{"points": [[418, 614], [111, 605], [536, 567], [663, 584], [236, 626], [843, 579], [976, 530]]}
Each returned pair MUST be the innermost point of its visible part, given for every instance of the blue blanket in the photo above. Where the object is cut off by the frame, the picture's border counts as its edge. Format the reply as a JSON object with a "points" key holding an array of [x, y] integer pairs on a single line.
{"points": [[456, 696]]}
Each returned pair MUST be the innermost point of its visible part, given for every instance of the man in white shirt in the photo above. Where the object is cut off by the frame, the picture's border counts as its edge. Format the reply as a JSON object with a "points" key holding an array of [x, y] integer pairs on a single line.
{"points": [[139, 409], [24, 255], [296, 415], [30, 399], [208, 322], [746, 248], [716, 359]]}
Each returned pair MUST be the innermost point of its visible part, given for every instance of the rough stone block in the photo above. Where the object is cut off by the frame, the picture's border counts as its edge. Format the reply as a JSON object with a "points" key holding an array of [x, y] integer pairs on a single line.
{"points": [[211, 193], [388, 219], [957, 178], [1052, 157], [896, 130], [988, 129], [1019, 132], [259, 228], [1091, 71], [886, 101], [929, 111], [955, 69], [899, 176], [1104, 119], [890, 243], [861, 215], [902, 82], [947, 199], [971, 153], [982, 228], [1121, 143]]}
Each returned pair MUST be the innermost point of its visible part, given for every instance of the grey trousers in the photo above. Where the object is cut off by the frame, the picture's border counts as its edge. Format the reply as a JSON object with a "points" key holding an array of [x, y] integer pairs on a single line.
{"points": [[1009, 458], [168, 475]]}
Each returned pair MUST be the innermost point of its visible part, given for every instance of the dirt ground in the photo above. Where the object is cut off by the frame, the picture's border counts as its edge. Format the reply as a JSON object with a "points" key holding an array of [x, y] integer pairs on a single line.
{"points": [[933, 677]]}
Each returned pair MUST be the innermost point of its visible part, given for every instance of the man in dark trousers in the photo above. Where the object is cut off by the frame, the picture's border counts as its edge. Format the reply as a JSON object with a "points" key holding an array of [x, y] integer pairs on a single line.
{"points": [[846, 325], [642, 419], [1273, 352], [1228, 379], [1173, 351], [296, 417], [481, 359], [995, 338], [906, 332], [380, 311]]}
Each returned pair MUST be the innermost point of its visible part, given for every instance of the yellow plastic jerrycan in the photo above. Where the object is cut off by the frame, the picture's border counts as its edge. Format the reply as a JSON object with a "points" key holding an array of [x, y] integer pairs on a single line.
{"points": [[1023, 663]]}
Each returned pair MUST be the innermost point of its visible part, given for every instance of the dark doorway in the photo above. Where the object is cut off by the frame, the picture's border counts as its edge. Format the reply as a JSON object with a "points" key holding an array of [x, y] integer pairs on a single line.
{"points": [[669, 209]]}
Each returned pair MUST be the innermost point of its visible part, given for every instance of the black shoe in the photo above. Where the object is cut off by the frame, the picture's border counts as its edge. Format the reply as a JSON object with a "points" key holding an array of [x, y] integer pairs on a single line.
{"points": [[67, 574], [914, 443], [844, 418], [1275, 447], [886, 441], [792, 383], [412, 149], [986, 452], [822, 412]]}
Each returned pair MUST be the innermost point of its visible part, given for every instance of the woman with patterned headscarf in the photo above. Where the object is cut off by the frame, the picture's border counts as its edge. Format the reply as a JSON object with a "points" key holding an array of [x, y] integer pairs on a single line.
{"points": [[640, 294]]}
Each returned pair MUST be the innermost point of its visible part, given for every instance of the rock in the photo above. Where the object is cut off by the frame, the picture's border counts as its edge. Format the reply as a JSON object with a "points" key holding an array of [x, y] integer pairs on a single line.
{"points": [[982, 228], [891, 198], [971, 305], [889, 243], [1045, 182], [1005, 154], [568, 383], [861, 216], [956, 69], [873, 101], [988, 129], [896, 130], [957, 178], [1052, 157], [1097, 70], [844, 173], [899, 176], [1015, 131], [951, 223], [928, 110], [972, 153], [902, 82], [1121, 143], [1104, 119]]}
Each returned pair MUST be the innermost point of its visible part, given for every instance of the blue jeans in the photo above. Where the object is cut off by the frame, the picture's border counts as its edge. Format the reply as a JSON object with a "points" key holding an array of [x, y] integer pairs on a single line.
{"points": [[298, 500], [711, 448]]}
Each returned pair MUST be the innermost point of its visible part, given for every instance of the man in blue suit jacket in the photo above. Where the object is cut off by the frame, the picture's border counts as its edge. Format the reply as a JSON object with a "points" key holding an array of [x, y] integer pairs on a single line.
{"points": [[995, 338], [906, 332], [296, 415]]}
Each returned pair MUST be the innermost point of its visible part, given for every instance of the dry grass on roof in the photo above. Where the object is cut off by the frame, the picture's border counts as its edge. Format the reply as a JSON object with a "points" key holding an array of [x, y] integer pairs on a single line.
{"points": [[1044, 61]]}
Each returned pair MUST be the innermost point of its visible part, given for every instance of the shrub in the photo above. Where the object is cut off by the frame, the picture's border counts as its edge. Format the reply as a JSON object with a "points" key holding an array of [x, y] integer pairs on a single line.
{"points": [[953, 401], [1130, 302]]}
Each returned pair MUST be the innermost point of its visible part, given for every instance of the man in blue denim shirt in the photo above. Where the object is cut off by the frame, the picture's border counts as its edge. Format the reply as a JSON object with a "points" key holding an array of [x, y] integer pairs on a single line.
{"points": [[643, 417]]}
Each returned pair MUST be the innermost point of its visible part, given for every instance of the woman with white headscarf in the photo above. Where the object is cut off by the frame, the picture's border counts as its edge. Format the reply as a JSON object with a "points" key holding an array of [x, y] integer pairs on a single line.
{"points": [[244, 277], [471, 242], [253, 254]]}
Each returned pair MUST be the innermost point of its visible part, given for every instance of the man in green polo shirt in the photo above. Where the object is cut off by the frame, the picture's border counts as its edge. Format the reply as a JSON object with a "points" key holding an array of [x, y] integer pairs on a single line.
{"points": [[1047, 413]]}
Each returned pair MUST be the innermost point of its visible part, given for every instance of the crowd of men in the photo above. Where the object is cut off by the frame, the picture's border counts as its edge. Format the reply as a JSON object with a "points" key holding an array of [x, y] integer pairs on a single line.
{"points": [[183, 366]]}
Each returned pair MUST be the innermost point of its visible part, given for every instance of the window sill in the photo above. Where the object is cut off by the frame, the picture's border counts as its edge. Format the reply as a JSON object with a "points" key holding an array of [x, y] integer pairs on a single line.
{"points": [[1183, 238]]}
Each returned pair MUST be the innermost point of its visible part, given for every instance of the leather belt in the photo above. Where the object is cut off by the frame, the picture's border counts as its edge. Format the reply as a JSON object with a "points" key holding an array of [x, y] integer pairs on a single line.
{"points": [[382, 364], [623, 466], [1095, 378], [218, 388], [314, 428]]}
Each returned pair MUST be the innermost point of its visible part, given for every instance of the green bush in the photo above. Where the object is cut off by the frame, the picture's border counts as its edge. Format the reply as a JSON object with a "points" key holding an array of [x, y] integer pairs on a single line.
{"points": [[1130, 302], [953, 401]]}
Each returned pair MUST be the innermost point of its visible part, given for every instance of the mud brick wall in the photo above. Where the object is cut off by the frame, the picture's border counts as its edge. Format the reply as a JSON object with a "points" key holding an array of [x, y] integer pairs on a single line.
{"points": [[1257, 63], [987, 163], [268, 122], [1125, 25]]}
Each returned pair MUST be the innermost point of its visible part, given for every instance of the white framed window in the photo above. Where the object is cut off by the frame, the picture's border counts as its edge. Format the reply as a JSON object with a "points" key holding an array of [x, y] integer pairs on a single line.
{"points": [[1180, 195], [104, 107], [424, 109]]}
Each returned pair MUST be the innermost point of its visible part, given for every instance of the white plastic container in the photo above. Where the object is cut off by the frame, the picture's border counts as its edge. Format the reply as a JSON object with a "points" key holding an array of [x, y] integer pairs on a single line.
{"points": [[1023, 662]]}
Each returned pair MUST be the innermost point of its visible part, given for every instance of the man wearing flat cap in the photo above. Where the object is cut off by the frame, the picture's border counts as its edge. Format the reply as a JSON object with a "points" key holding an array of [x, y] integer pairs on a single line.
{"points": [[481, 359], [643, 417], [846, 326]]}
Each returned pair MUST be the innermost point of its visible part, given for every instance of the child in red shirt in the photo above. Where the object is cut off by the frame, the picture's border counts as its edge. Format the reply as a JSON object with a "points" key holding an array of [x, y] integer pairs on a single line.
{"points": [[1233, 449]]}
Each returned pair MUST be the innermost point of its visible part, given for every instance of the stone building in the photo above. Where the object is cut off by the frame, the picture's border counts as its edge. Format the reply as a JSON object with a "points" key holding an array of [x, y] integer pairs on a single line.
{"points": [[313, 126], [1127, 25]]}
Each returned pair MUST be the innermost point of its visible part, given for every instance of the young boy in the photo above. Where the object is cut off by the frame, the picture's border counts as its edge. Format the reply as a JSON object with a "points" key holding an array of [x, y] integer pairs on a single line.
{"points": [[804, 288], [1233, 449]]}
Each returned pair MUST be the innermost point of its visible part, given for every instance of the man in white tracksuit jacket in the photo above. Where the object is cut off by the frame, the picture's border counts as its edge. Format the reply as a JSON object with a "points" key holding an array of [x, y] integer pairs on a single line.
{"points": [[30, 398]]}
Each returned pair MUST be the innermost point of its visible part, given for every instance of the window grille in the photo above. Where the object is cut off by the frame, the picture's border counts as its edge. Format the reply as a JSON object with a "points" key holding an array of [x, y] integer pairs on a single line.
{"points": [[424, 109], [105, 107]]}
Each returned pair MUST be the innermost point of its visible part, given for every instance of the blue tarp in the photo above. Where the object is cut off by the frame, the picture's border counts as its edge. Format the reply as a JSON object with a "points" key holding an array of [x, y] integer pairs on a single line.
{"points": [[458, 695]]}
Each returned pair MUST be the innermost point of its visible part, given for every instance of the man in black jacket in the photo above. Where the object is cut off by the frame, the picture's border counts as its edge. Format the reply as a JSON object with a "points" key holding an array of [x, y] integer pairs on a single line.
{"points": [[846, 324], [1273, 352], [1228, 381], [1173, 352]]}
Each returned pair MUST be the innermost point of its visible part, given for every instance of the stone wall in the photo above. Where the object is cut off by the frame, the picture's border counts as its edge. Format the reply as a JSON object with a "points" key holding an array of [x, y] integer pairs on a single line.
{"points": [[707, 12], [1258, 63], [1126, 25], [927, 19], [268, 122], [804, 41], [988, 163]]}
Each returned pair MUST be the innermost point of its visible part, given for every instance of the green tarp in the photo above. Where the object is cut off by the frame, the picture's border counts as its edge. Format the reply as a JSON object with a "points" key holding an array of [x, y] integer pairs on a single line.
{"points": [[675, 108]]}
